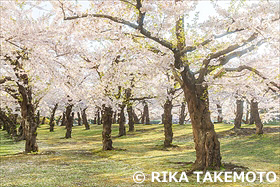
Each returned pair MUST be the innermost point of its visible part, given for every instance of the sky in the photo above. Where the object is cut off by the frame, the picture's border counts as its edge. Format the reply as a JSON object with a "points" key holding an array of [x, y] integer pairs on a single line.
{"points": [[205, 8]]}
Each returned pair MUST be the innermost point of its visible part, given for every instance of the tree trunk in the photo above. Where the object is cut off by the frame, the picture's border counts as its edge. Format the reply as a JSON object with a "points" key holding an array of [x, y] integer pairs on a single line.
{"points": [[79, 119], [130, 117], [84, 118], [28, 115], [252, 120], [107, 128], [58, 120], [13, 128], [9, 123], [239, 114], [220, 113], [256, 117], [114, 120], [135, 117], [98, 117], [38, 118], [168, 123], [52, 118], [68, 121], [43, 121], [63, 121], [122, 131], [207, 145], [182, 114], [21, 135], [145, 116]]}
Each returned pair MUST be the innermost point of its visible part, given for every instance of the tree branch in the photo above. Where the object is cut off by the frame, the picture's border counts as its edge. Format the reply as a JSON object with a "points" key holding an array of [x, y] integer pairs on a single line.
{"points": [[3, 80], [204, 70], [192, 48], [244, 67], [142, 30]]}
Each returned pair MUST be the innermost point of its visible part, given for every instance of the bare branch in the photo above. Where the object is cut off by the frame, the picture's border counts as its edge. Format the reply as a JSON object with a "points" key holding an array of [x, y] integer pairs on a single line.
{"points": [[3, 80], [142, 30], [192, 48], [244, 67], [204, 70]]}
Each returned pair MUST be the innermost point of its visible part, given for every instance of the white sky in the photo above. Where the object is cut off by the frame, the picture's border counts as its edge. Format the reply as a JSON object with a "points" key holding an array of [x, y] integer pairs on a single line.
{"points": [[205, 8]]}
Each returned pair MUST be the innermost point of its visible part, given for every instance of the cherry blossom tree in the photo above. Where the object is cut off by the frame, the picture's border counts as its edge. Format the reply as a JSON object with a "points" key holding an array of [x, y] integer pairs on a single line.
{"points": [[195, 53]]}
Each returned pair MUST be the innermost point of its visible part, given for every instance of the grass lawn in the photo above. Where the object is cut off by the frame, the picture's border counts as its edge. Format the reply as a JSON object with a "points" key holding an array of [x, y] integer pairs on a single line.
{"points": [[79, 161]]}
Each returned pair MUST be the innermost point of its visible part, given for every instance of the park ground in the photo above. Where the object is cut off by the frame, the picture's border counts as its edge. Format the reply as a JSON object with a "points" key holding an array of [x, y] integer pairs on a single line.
{"points": [[80, 161]]}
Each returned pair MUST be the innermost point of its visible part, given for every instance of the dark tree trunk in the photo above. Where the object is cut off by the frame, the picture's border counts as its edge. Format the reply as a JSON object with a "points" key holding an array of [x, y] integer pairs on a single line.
{"points": [[30, 125], [252, 120], [122, 131], [63, 121], [182, 113], [256, 116], [94, 120], [145, 116], [73, 118], [220, 113], [9, 123], [58, 120], [52, 118], [168, 134], [98, 117], [79, 119], [1, 123], [68, 121], [21, 135], [130, 117], [107, 128], [6, 121], [114, 120], [84, 118], [43, 121], [207, 145], [239, 114], [135, 117], [13, 128], [38, 118], [25, 101]]}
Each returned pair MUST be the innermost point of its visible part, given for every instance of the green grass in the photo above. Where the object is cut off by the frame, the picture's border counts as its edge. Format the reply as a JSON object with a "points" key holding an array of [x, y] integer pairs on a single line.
{"points": [[79, 161]]}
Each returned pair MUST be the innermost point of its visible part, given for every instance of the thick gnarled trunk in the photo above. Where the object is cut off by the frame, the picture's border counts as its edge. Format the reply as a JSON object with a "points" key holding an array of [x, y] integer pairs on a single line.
{"points": [[207, 145], [167, 121], [239, 114], [107, 128]]}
